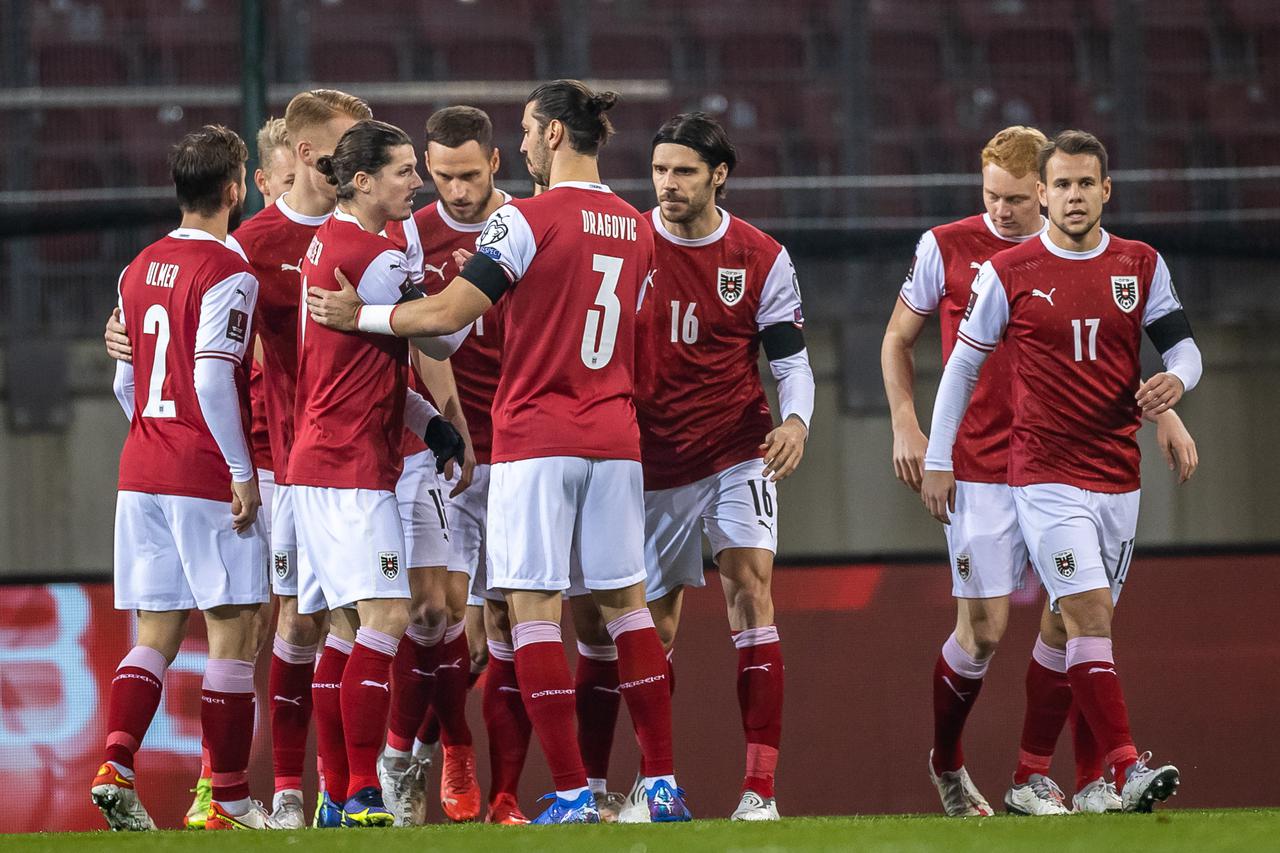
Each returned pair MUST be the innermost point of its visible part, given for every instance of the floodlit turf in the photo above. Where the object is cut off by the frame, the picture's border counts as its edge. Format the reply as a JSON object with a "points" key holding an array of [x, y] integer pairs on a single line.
{"points": [[1172, 830]]}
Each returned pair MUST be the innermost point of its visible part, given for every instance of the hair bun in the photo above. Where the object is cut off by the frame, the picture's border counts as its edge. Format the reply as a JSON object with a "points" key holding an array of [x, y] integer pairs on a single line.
{"points": [[324, 165], [602, 101]]}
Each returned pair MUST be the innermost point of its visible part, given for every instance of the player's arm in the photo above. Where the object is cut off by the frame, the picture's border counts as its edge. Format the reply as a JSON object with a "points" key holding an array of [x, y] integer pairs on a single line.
{"points": [[1167, 326], [917, 299], [439, 379], [423, 419], [122, 386], [981, 329], [221, 341], [1176, 443], [117, 340], [780, 322]]}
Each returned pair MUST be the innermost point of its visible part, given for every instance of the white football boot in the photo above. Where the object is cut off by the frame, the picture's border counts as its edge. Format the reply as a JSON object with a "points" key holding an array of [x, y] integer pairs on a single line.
{"points": [[752, 806], [1098, 797], [1038, 796], [1145, 785], [636, 809], [288, 813], [391, 777], [960, 797], [114, 795], [610, 804]]}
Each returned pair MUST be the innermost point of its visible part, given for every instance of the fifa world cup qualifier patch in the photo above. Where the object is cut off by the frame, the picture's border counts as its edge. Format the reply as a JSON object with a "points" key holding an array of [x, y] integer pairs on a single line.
{"points": [[1065, 563], [237, 325], [389, 562], [962, 567]]}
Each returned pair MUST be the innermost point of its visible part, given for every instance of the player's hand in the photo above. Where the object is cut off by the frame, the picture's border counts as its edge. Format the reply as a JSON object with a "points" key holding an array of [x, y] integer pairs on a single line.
{"points": [[1159, 394], [461, 256], [909, 446], [336, 309], [245, 503], [444, 440], [784, 448], [1177, 445], [119, 346], [938, 492], [466, 473]]}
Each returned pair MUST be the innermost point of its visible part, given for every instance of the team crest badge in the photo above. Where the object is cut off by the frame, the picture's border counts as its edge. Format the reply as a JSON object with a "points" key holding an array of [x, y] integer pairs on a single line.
{"points": [[962, 567], [1065, 563], [1124, 290], [280, 561], [389, 562], [731, 284]]}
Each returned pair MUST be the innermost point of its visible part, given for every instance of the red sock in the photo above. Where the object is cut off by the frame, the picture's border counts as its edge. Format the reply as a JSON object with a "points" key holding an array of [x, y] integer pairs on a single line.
{"points": [[543, 675], [412, 685], [597, 700], [642, 681], [226, 717], [957, 681], [135, 695], [366, 700], [506, 722], [671, 672], [1048, 703], [326, 698], [289, 686], [1088, 753], [1096, 688], [453, 675], [206, 771], [760, 679]]}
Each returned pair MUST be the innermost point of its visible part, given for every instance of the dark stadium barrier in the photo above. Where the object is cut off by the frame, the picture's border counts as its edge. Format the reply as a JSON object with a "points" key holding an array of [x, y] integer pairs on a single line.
{"points": [[1195, 640]]}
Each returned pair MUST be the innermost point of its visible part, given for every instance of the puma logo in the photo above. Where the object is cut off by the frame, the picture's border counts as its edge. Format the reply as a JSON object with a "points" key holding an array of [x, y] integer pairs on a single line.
{"points": [[768, 527], [505, 689], [423, 674], [963, 697], [297, 268], [1048, 297], [1107, 670], [297, 701], [457, 664], [763, 667], [974, 265], [368, 683], [437, 270], [615, 691]]}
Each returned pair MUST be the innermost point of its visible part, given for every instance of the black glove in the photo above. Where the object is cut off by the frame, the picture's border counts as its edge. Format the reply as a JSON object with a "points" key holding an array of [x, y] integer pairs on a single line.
{"points": [[444, 440]]}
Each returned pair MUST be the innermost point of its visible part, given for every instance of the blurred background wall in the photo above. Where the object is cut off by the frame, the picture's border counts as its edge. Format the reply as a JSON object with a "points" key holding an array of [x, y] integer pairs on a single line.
{"points": [[858, 124]]}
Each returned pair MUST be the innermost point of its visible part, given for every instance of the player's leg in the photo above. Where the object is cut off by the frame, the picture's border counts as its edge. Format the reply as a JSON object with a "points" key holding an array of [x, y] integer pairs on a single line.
{"points": [[1048, 693], [505, 719], [609, 541], [459, 788], [596, 700], [326, 693], [1081, 543]]}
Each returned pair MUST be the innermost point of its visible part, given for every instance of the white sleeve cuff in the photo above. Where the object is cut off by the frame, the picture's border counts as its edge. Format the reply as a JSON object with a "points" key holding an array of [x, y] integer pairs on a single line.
{"points": [[375, 319], [440, 347], [122, 386], [418, 412], [1183, 360], [796, 387], [958, 381], [219, 399]]}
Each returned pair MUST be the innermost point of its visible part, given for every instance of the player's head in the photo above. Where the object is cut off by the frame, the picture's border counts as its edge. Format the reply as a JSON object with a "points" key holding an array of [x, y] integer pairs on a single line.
{"points": [[560, 117], [208, 173], [1074, 184], [461, 160], [1009, 180], [692, 159], [374, 168], [315, 121], [275, 171]]}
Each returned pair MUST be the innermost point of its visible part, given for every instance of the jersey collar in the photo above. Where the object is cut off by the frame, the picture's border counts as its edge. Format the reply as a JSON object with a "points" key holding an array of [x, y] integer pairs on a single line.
{"points": [[991, 226], [343, 216], [196, 234], [295, 216], [465, 226], [661, 227], [582, 185], [1076, 256]]}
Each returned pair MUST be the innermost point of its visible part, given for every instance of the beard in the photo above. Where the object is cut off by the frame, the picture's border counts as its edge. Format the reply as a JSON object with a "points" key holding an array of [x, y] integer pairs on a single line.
{"points": [[234, 217], [538, 162]]}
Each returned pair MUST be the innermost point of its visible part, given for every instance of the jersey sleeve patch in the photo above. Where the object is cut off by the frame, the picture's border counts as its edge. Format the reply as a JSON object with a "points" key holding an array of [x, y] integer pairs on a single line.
{"points": [[924, 286], [237, 325]]}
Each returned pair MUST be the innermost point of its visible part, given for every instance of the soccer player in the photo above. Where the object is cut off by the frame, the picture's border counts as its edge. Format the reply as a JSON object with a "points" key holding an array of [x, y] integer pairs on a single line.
{"points": [[187, 528], [277, 164], [565, 493], [1070, 304], [711, 451], [462, 160]]}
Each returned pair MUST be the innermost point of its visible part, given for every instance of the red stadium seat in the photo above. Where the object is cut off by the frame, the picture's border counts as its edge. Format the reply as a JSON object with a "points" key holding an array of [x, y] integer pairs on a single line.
{"points": [[631, 43], [748, 42], [485, 39], [192, 42]]}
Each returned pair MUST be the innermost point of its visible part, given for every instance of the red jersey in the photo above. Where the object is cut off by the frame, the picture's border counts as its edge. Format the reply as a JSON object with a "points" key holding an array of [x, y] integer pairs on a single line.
{"points": [[700, 402], [1074, 321], [579, 259], [259, 438], [940, 279], [275, 240], [185, 297], [349, 408]]}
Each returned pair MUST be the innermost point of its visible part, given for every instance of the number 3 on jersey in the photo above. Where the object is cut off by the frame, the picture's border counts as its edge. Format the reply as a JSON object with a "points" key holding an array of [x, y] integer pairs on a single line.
{"points": [[601, 330], [156, 322]]}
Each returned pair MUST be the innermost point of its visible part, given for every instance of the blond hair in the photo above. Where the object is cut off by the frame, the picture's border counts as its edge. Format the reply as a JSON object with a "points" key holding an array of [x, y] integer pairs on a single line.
{"points": [[309, 109], [1014, 149], [271, 136]]}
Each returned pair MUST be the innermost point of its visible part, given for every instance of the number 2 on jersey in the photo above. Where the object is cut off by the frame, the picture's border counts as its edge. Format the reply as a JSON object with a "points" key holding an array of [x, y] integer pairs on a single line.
{"points": [[156, 322], [601, 330]]}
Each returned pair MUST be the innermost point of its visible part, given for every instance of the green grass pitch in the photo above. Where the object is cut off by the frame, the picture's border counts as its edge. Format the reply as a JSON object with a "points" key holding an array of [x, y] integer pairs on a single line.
{"points": [[1165, 831]]}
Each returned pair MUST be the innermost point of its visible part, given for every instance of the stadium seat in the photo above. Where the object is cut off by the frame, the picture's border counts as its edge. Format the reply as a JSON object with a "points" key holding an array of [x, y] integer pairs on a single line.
{"points": [[485, 39], [747, 42], [631, 42]]}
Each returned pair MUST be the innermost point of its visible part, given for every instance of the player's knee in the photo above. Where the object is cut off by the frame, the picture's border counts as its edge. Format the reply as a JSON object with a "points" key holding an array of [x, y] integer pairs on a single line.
{"points": [[751, 604], [298, 629], [1087, 614], [666, 631], [479, 657]]}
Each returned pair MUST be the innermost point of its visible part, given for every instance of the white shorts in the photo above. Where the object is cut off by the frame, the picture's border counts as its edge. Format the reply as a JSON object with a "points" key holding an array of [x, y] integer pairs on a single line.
{"points": [[284, 542], [1079, 540], [988, 554], [421, 502], [737, 508], [350, 547], [468, 513], [559, 519], [267, 491], [176, 553]]}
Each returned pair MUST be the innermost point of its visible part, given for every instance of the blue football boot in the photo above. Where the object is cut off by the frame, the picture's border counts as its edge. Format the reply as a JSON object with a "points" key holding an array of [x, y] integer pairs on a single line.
{"points": [[666, 803], [367, 809], [328, 813], [581, 810]]}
